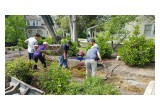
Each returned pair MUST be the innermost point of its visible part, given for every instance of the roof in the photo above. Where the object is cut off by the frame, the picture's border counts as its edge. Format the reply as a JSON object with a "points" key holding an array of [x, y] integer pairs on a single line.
{"points": [[33, 17], [92, 27]]}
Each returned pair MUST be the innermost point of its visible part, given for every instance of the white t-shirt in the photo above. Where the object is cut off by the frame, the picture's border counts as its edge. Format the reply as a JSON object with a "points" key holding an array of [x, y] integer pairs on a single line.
{"points": [[31, 42]]}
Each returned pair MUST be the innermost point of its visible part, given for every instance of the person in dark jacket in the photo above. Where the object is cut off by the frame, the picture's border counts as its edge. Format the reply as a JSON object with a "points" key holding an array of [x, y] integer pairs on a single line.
{"points": [[64, 57]]}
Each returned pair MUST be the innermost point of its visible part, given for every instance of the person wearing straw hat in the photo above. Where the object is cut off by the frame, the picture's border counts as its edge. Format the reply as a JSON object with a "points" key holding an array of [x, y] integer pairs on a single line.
{"points": [[38, 54]]}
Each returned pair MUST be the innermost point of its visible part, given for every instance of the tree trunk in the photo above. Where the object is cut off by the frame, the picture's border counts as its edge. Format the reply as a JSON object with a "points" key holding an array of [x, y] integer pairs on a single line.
{"points": [[112, 44], [72, 22], [71, 26], [74, 29]]}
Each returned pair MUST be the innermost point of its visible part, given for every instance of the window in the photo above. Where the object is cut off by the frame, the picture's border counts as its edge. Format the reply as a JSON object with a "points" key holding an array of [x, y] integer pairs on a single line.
{"points": [[39, 22], [34, 23], [149, 30]]}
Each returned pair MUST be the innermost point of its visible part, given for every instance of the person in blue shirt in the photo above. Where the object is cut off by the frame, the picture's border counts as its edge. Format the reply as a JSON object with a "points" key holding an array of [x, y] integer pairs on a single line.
{"points": [[91, 62], [63, 58]]}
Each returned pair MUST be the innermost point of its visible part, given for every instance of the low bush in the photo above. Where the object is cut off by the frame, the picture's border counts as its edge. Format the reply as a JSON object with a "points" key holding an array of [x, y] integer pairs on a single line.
{"points": [[13, 48], [64, 40], [22, 44], [73, 50], [55, 80], [105, 49], [20, 68], [92, 86], [19, 48], [137, 51], [40, 41], [49, 39]]}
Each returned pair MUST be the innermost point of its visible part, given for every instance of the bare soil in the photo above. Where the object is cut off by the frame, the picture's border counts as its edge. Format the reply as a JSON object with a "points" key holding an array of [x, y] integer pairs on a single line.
{"points": [[129, 80]]}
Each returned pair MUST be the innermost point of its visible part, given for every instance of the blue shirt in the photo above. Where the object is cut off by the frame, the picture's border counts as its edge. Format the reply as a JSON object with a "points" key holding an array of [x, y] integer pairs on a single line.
{"points": [[92, 53], [65, 47]]}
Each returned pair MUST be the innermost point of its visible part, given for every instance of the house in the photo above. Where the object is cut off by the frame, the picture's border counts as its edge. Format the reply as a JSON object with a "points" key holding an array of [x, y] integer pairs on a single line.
{"points": [[35, 24], [146, 25], [92, 31]]}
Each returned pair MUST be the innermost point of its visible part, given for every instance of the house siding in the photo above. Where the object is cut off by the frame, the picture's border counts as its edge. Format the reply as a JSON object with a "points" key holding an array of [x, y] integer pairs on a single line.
{"points": [[36, 25], [141, 21]]}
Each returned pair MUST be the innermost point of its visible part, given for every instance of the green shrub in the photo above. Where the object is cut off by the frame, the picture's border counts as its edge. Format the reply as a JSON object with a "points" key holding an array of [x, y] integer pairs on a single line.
{"points": [[73, 50], [64, 40], [104, 48], [18, 48], [13, 48], [22, 44], [88, 46], [40, 41], [20, 68], [59, 32], [49, 39], [138, 51], [55, 80], [92, 86], [75, 88]]}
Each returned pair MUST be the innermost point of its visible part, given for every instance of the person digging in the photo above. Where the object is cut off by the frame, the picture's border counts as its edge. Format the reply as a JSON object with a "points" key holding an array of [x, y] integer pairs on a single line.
{"points": [[38, 55]]}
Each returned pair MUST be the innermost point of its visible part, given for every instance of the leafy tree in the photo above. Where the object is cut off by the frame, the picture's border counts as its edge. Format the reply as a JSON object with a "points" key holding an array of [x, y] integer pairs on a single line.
{"points": [[63, 22], [82, 23], [114, 27], [86, 21], [15, 28]]}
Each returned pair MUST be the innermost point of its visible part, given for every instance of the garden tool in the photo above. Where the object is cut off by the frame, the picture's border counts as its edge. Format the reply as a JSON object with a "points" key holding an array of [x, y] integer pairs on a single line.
{"points": [[110, 73]]}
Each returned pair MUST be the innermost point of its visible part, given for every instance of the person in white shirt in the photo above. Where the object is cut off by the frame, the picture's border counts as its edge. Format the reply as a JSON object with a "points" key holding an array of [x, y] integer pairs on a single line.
{"points": [[31, 42], [93, 43]]}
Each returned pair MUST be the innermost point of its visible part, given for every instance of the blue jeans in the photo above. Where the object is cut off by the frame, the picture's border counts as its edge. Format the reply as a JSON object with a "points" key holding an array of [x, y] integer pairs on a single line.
{"points": [[63, 61], [30, 56]]}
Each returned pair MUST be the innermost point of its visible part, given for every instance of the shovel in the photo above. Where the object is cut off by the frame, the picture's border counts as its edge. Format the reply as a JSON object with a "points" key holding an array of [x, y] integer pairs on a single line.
{"points": [[110, 73]]}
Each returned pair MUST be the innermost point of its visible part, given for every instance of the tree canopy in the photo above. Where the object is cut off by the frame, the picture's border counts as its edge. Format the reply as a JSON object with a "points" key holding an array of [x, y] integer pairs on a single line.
{"points": [[15, 28]]}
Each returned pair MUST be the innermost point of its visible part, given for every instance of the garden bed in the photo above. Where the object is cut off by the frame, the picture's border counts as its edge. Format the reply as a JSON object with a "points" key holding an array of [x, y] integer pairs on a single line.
{"points": [[128, 80]]}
